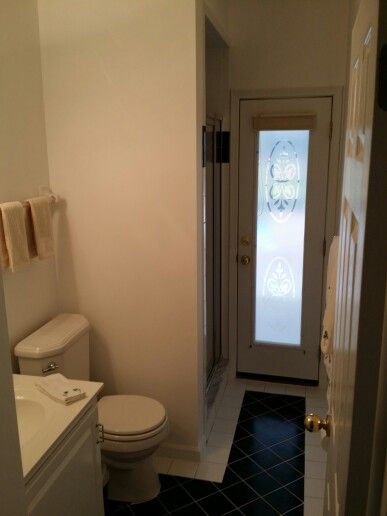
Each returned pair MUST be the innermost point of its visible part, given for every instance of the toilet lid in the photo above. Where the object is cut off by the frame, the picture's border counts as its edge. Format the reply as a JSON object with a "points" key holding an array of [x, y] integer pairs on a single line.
{"points": [[125, 414]]}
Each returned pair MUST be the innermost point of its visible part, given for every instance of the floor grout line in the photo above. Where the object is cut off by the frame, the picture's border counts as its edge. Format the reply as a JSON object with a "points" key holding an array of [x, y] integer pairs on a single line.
{"points": [[192, 498]]}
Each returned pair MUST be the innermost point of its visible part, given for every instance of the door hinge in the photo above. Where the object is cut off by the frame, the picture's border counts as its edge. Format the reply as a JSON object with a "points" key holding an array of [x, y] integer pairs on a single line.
{"points": [[324, 247]]}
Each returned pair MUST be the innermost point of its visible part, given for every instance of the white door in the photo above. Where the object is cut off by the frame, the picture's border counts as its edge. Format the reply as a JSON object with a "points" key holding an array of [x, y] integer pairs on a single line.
{"points": [[352, 226], [283, 173]]}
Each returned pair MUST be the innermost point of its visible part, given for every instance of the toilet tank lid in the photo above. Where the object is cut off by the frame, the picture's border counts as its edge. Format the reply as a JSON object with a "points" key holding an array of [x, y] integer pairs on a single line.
{"points": [[54, 337]]}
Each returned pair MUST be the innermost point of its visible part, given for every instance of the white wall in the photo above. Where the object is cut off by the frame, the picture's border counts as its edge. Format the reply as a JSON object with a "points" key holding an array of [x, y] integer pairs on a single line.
{"points": [[297, 43], [30, 293], [217, 75], [217, 11], [121, 108], [23, 166]]}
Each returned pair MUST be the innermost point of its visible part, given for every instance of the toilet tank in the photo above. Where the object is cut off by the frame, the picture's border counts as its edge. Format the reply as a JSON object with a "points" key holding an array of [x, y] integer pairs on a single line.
{"points": [[60, 346]]}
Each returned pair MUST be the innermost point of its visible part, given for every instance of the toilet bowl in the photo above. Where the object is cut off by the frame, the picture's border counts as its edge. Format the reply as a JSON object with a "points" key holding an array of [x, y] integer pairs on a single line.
{"points": [[133, 429], [134, 426]]}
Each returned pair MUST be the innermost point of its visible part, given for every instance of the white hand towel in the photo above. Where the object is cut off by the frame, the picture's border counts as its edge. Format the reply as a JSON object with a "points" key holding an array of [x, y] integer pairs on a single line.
{"points": [[42, 224], [59, 388], [15, 234]]}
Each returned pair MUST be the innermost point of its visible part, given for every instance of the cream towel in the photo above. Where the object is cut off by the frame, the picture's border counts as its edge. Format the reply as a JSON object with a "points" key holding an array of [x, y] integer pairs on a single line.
{"points": [[42, 224], [4, 260], [59, 388], [15, 234]]}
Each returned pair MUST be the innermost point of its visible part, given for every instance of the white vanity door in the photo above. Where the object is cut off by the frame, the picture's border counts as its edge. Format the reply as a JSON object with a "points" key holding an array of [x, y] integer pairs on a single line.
{"points": [[70, 482]]}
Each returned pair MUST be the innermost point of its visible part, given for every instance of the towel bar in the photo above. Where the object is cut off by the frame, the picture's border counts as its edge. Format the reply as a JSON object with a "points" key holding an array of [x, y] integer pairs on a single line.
{"points": [[54, 199]]}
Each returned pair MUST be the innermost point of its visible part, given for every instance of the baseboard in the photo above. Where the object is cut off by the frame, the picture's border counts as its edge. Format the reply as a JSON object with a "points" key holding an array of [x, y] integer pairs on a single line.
{"points": [[179, 451]]}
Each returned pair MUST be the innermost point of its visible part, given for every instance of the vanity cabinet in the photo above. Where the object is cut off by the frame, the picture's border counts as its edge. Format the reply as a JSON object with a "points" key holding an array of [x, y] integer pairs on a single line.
{"points": [[69, 481]]}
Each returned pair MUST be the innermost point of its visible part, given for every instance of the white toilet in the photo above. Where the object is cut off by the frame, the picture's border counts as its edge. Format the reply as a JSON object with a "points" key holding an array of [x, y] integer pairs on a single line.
{"points": [[134, 426]]}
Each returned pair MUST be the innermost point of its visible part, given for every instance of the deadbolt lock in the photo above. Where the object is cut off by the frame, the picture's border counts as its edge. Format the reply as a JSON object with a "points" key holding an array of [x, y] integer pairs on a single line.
{"points": [[245, 241], [245, 260]]}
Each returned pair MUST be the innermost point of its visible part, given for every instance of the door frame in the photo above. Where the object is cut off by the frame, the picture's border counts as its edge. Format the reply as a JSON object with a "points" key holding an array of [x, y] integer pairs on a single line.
{"points": [[333, 193]]}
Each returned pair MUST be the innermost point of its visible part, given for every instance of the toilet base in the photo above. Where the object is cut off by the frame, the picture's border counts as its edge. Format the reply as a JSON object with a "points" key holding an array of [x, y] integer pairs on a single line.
{"points": [[137, 484]]}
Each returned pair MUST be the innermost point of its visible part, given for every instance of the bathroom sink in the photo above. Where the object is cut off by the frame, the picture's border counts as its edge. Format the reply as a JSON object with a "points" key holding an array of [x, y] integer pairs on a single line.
{"points": [[42, 422], [30, 418]]}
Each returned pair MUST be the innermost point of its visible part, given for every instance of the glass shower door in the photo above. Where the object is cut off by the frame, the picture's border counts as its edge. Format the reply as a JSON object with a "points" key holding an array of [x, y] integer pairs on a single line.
{"points": [[212, 249]]}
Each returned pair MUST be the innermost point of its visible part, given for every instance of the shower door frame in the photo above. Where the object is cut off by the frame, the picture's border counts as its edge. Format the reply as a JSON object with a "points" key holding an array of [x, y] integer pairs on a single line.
{"points": [[213, 284]]}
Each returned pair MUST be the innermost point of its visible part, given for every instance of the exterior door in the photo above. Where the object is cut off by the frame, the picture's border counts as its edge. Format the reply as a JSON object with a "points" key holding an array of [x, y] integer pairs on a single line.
{"points": [[352, 228], [283, 173]]}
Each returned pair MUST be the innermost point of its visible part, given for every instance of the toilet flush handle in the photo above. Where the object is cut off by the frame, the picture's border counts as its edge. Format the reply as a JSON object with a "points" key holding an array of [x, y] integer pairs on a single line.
{"points": [[51, 366]]}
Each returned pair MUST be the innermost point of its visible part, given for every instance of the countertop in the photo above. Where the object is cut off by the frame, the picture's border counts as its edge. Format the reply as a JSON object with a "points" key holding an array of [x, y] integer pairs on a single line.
{"points": [[43, 422]]}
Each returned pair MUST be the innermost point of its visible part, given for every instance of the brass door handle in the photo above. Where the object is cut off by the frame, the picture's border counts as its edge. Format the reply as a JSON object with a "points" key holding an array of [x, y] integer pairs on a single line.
{"points": [[245, 260], [313, 423]]}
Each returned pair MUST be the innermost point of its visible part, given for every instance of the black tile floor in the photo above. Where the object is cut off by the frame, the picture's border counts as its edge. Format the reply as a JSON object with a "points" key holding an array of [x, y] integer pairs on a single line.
{"points": [[264, 475]]}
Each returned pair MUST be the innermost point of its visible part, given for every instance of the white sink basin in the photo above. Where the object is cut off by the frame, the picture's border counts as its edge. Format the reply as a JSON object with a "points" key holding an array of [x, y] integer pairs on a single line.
{"points": [[42, 421], [30, 418]]}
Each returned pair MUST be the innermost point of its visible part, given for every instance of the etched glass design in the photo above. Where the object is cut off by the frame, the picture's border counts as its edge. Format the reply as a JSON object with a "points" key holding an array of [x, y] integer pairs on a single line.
{"points": [[282, 178]]}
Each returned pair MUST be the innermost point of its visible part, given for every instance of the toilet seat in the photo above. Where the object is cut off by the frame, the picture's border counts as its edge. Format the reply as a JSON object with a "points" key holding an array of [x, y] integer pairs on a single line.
{"points": [[134, 437], [128, 417]]}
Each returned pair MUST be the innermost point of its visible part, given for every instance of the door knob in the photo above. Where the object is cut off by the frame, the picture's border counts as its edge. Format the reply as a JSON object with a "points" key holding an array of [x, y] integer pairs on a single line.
{"points": [[313, 423], [245, 260]]}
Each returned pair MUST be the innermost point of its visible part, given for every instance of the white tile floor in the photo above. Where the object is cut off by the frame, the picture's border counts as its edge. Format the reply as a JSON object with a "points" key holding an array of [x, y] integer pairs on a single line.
{"points": [[183, 468], [222, 424]]}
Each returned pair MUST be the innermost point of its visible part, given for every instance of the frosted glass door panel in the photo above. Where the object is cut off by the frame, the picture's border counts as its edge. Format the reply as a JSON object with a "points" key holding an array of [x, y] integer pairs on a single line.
{"points": [[280, 226]]}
